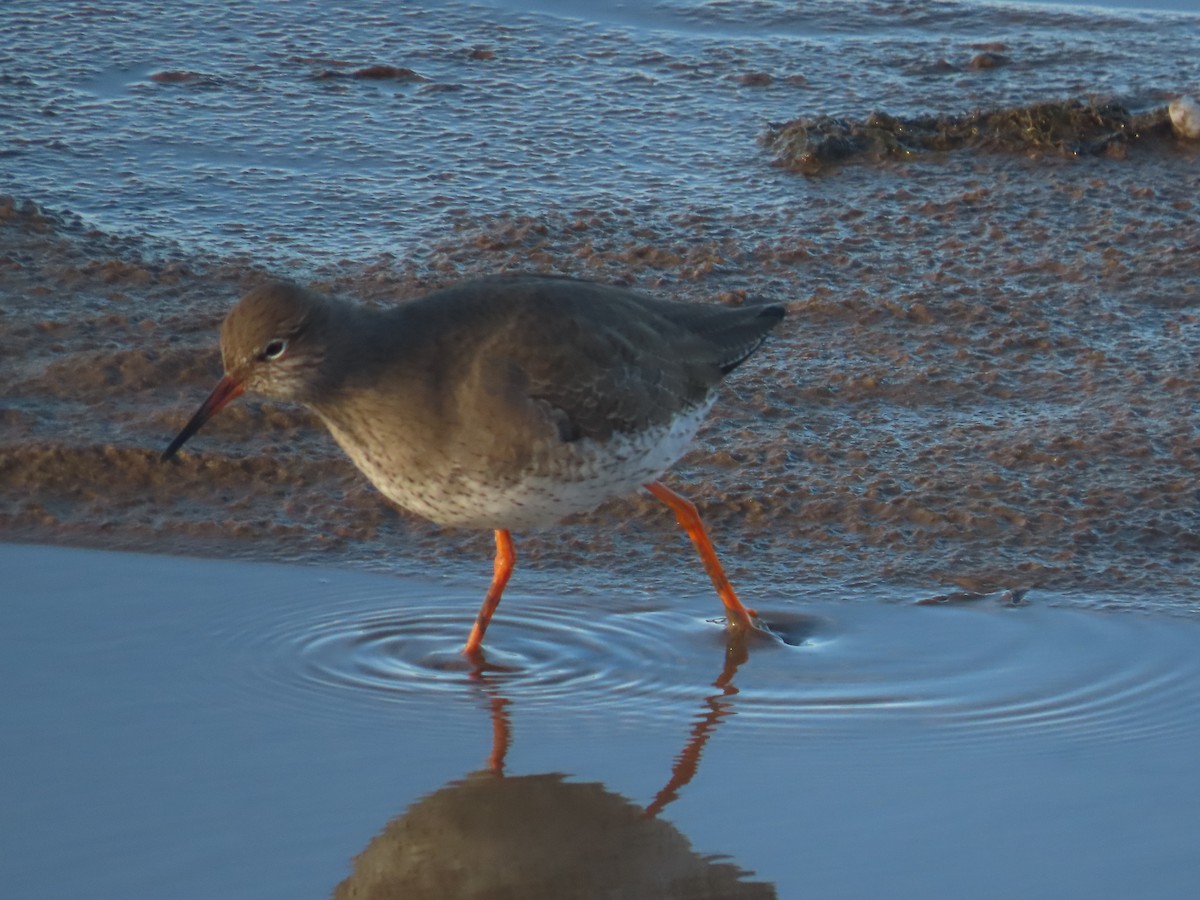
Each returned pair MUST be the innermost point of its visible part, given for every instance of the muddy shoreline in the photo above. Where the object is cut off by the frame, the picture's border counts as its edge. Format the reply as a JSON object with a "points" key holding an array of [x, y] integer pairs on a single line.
{"points": [[986, 378]]}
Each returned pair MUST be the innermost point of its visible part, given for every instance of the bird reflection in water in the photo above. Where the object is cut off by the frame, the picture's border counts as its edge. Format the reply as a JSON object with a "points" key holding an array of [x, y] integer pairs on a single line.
{"points": [[538, 837]]}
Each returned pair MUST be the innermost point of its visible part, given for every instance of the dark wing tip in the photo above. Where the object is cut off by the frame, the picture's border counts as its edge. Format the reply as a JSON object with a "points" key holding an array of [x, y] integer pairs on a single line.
{"points": [[765, 318], [775, 312]]}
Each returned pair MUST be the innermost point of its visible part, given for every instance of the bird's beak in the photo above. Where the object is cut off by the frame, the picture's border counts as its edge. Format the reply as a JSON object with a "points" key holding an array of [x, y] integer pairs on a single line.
{"points": [[227, 389]]}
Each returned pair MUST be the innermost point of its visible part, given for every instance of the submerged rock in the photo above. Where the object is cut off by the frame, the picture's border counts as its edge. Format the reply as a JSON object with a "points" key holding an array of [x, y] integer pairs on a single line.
{"points": [[988, 60]]}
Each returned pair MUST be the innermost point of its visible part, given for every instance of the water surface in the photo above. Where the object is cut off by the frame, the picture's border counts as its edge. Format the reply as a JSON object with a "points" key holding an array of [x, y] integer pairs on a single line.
{"points": [[243, 129], [246, 730]]}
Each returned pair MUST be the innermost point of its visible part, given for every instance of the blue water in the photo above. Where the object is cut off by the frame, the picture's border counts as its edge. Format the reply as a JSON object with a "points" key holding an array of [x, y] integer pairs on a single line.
{"points": [[201, 729], [582, 106]]}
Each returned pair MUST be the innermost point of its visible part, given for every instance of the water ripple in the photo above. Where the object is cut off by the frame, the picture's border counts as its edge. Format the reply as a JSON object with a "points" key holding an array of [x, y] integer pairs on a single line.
{"points": [[961, 673], [545, 654]]}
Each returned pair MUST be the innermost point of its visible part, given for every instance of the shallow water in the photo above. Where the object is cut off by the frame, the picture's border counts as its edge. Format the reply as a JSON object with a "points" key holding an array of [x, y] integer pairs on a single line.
{"points": [[246, 730], [254, 138]]}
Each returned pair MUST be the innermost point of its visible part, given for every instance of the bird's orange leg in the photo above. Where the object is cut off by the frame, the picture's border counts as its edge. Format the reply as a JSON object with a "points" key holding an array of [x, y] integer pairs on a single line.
{"points": [[689, 520], [506, 558]]}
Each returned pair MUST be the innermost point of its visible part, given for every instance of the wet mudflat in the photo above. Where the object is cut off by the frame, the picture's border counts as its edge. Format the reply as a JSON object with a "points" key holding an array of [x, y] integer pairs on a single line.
{"points": [[986, 378]]}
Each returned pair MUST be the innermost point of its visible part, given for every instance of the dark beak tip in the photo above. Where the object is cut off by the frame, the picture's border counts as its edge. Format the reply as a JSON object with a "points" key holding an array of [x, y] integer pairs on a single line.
{"points": [[170, 455], [227, 389]]}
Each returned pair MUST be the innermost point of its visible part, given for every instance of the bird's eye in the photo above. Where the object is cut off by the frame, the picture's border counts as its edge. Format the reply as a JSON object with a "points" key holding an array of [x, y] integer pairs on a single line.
{"points": [[274, 349]]}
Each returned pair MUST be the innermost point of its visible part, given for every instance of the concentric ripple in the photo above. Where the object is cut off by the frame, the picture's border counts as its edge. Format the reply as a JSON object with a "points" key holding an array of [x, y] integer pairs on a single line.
{"points": [[543, 654], [964, 673], [989, 672]]}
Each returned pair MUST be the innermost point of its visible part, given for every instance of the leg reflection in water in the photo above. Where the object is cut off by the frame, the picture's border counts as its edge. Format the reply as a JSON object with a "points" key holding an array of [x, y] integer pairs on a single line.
{"points": [[543, 836]]}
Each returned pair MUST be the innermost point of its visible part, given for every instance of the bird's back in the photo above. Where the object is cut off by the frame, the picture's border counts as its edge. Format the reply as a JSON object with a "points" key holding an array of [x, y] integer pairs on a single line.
{"points": [[609, 359]]}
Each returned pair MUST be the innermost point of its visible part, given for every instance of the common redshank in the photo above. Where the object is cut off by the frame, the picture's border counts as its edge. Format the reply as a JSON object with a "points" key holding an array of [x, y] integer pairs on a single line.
{"points": [[502, 403]]}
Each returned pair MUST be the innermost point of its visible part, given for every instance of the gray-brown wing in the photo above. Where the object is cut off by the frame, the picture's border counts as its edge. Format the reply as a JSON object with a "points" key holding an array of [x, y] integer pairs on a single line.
{"points": [[605, 360]]}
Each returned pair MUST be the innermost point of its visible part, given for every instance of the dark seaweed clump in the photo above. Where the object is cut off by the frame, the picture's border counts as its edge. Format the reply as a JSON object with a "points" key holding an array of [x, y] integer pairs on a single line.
{"points": [[1070, 128]]}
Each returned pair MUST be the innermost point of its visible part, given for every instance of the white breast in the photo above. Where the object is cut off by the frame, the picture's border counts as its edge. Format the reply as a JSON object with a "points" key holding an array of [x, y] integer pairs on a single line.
{"points": [[576, 477]]}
